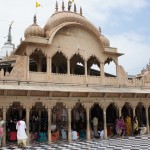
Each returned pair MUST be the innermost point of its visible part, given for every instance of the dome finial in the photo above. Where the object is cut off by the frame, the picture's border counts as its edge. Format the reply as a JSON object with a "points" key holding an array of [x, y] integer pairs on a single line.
{"points": [[56, 6], [34, 19], [63, 6], [75, 9], [80, 10]]}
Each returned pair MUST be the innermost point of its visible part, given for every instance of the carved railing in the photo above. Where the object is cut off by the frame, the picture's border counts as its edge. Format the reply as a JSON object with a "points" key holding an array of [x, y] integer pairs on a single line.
{"points": [[110, 81], [94, 80], [38, 76]]}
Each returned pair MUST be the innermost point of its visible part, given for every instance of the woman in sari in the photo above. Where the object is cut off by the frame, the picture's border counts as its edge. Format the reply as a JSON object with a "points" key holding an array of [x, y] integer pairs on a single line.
{"points": [[128, 125], [135, 126], [122, 126]]}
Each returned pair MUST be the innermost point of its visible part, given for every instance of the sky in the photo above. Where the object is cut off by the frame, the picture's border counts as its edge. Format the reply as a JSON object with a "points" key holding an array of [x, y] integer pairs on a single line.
{"points": [[126, 23]]}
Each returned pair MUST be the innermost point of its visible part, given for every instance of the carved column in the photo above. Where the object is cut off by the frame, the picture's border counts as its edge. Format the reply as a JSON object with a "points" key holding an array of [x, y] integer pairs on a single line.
{"points": [[102, 72], [27, 123], [120, 113], [105, 122], [68, 66], [48, 67], [28, 69], [49, 124], [88, 123], [147, 118], [69, 125], [133, 111], [4, 118], [85, 70]]}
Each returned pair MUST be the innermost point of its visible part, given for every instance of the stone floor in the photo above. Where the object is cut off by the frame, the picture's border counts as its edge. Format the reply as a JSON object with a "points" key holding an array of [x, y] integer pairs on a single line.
{"points": [[126, 143]]}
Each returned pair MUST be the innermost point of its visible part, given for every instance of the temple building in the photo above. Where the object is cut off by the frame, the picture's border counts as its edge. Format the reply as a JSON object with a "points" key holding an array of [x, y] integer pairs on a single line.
{"points": [[50, 79]]}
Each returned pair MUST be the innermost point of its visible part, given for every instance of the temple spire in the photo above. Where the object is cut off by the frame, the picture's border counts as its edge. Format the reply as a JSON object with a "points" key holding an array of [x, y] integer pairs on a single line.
{"points": [[69, 5], [63, 6], [56, 6], [9, 37], [100, 30], [80, 10], [75, 9]]}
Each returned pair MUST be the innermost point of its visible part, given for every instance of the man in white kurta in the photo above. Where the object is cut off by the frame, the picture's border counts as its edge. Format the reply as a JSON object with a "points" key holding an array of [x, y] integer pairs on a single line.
{"points": [[21, 133]]}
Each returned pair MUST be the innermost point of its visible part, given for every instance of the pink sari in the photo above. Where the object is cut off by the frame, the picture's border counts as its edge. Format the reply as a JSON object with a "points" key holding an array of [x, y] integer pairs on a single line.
{"points": [[1, 131]]}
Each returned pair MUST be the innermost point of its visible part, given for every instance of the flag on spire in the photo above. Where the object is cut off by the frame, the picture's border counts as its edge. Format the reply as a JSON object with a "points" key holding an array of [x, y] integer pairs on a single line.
{"points": [[37, 4]]}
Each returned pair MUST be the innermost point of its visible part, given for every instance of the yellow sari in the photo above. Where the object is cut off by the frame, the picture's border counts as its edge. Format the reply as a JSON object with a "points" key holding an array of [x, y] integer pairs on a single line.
{"points": [[128, 125]]}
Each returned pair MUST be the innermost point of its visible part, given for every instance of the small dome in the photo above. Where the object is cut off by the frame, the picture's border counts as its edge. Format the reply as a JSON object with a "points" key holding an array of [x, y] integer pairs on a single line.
{"points": [[34, 30], [105, 41]]}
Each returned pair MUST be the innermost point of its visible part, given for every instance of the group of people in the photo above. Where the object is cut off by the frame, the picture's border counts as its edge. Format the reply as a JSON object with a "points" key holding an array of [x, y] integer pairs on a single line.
{"points": [[127, 127], [21, 132]]}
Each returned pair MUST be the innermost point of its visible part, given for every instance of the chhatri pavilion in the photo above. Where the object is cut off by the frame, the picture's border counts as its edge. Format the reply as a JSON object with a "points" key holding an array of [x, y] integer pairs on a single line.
{"points": [[56, 78]]}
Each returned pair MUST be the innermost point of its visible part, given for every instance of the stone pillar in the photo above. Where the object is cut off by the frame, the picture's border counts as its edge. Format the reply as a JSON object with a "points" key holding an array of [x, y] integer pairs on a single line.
{"points": [[57, 69], [4, 118], [105, 123], [102, 72], [85, 70], [147, 118], [88, 123], [68, 66], [120, 113], [50, 65], [133, 111], [27, 124], [49, 124], [69, 126]]}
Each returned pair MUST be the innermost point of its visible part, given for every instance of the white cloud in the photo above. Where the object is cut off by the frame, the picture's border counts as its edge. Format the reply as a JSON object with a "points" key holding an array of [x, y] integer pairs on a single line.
{"points": [[136, 52]]}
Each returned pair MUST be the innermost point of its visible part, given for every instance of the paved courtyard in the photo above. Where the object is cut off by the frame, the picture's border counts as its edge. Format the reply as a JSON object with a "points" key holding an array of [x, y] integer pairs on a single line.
{"points": [[126, 143]]}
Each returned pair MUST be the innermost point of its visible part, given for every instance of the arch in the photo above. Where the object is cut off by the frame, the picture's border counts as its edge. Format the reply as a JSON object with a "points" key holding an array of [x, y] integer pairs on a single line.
{"points": [[37, 61], [14, 113], [127, 110], [60, 121], [77, 65], [79, 122], [111, 116], [97, 111], [141, 114], [93, 66], [38, 122], [110, 67], [59, 63]]}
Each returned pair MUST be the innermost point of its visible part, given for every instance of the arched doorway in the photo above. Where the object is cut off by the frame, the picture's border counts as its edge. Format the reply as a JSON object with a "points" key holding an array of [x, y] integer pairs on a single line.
{"points": [[96, 112], [93, 66], [78, 123], [111, 116], [141, 114], [59, 126], [77, 65], [38, 123], [14, 113], [127, 114], [37, 61], [59, 63], [110, 68]]}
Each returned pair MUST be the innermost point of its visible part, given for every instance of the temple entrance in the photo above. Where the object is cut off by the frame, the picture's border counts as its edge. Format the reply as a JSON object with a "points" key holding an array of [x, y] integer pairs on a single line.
{"points": [[78, 123], [141, 115], [111, 116], [13, 114], [59, 127], [127, 114], [38, 123], [96, 118]]}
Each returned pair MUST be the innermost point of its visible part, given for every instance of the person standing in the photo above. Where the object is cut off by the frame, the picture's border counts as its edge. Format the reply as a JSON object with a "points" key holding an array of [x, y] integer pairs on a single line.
{"points": [[21, 133], [1, 129]]}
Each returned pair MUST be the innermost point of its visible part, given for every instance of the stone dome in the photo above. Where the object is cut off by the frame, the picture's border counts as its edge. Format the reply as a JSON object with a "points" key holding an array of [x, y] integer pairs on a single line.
{"points": [[65, 17], [34, 30], [105, 41]]}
